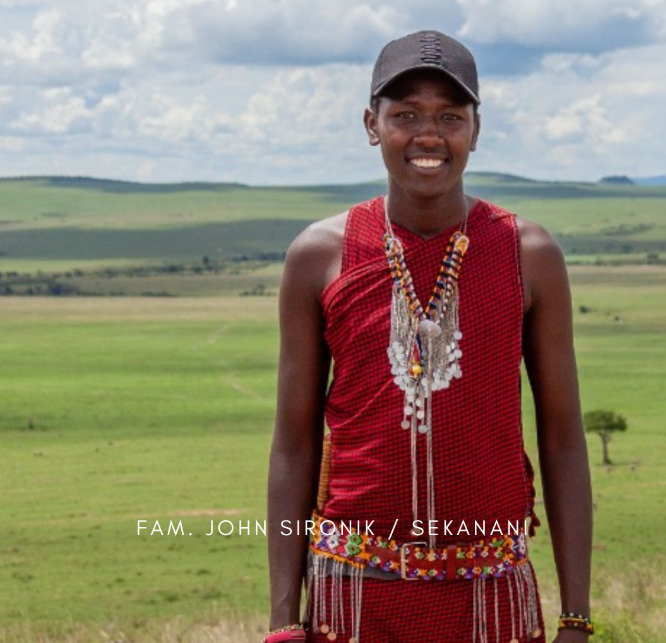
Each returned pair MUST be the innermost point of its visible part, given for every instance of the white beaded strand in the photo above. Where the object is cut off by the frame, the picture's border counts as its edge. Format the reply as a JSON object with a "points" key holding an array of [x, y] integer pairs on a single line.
{"points": [[521, 604], [512, 610], [497, 630], [307, 613]]}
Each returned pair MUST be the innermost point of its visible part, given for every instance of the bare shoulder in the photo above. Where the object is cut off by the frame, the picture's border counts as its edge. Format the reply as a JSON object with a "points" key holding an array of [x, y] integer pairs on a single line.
{"points": [[535, 239], [542, 260], [316, 253]]}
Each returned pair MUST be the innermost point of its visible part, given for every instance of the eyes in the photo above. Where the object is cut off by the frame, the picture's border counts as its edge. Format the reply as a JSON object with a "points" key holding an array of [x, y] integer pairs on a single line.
{"points": [[409, 116]]}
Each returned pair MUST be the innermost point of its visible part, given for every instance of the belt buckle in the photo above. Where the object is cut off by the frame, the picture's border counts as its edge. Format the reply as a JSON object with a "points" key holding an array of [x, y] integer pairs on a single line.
{"points": [[403, 559]]}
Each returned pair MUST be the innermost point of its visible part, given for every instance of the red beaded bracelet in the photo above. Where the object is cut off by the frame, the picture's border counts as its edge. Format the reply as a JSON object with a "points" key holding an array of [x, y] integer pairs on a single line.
{"points": [[295, 632], [570, 620]]}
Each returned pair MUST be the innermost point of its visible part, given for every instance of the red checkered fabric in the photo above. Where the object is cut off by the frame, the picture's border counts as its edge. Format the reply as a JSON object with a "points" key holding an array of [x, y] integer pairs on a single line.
{"points": [[481, 469], [431, 612]]}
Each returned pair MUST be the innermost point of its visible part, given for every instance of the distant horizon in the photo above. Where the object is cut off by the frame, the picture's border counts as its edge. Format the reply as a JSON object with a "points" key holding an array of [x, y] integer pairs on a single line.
{"points": [[645, 181]]}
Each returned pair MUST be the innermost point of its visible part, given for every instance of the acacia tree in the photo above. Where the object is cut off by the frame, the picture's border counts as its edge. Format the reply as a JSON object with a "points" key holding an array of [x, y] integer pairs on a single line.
{"points": [[604, 424]]}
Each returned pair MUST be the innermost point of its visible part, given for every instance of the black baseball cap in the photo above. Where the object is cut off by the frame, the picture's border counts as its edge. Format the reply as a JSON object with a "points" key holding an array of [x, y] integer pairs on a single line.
{"points": [[426, 50]]}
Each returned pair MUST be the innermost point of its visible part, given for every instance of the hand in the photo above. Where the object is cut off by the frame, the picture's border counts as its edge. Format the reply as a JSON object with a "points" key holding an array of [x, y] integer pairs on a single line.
{"points": [[571, 636]]}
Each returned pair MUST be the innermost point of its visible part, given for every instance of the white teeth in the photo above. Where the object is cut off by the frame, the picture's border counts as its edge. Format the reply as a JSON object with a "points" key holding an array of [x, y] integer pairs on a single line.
{"points": [[426, 162]]}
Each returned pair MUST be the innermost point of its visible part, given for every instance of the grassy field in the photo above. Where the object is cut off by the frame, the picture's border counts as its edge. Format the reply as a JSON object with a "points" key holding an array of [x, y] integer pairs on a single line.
{"points": [[116, 409], [85, 223], [120, 409]]}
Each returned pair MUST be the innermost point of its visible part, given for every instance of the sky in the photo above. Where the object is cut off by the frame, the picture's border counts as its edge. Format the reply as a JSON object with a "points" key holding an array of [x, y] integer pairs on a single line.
{"points": [[272, 92]]}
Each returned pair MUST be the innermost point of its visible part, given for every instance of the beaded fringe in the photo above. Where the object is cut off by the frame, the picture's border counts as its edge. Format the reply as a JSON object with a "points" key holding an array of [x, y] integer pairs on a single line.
{"points": [[317, 603], [523, 606], [326, 613]]}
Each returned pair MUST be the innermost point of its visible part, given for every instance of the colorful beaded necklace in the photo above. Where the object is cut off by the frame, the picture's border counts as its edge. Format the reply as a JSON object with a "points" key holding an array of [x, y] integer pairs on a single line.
{"points": [[423, 347]]}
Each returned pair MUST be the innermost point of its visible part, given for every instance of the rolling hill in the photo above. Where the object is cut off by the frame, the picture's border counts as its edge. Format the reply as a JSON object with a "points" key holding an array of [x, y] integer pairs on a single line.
{"points": [[56, 225]]}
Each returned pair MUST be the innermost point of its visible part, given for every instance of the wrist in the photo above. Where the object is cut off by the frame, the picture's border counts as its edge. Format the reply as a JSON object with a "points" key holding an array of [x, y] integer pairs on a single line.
{"points": [[577, 607], [281, 623], [284, 616], [281, 620], [575, 599]]}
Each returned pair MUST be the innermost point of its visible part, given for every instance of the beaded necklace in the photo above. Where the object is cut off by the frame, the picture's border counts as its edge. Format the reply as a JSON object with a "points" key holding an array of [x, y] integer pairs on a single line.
{"points": [[423, 347]]}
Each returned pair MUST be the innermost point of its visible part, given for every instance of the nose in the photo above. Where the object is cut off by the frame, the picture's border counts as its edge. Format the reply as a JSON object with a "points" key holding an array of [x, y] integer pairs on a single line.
{"points": [[429, 134]]}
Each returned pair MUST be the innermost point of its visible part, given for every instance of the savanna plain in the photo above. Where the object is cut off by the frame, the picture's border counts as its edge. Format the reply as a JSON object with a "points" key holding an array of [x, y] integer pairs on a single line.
{"points": [[138, 358]]}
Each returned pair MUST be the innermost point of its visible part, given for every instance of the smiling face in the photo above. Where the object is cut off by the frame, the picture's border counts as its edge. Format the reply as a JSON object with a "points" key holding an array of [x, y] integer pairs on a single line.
{"points": [[426, 128]]}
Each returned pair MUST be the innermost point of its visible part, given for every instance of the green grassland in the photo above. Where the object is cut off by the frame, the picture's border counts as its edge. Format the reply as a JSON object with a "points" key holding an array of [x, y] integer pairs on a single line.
{"points": [[122, 408], [85, 222]]}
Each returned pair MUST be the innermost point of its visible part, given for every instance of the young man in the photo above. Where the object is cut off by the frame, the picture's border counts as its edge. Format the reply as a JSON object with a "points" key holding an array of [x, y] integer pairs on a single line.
{"points": [[425, 301]]}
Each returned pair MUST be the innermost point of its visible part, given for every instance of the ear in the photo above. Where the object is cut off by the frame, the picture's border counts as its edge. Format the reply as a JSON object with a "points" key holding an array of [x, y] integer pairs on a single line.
{"points": [[477, 130], [370, 122]]}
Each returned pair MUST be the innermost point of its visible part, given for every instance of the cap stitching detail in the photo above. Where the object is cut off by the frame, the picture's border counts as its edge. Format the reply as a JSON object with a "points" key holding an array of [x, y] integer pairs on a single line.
{"points": [[431, 49]]}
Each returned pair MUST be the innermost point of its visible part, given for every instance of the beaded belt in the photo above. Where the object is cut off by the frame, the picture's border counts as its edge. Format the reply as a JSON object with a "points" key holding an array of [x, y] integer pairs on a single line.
{"points": [[494, 556], [346, 547]]}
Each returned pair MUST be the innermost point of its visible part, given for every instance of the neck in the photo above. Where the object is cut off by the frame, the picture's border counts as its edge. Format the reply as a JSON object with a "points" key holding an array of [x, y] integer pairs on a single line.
{"points": [[427, 216]]}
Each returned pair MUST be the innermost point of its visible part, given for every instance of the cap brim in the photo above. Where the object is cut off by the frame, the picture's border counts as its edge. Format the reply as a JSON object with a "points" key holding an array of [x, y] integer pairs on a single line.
{"points": [[448, 74]]}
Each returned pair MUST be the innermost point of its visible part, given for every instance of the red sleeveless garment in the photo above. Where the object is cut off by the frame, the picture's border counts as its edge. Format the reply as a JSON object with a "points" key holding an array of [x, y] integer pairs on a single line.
{"points": [[481, 468]]}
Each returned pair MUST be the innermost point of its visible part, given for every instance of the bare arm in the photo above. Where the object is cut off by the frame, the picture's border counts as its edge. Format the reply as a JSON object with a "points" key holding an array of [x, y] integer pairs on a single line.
{"points": [[551, 366], [297, 441]]}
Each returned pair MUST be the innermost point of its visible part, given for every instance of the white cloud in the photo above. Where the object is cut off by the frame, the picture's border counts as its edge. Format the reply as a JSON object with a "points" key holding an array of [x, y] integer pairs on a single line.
{"points": [[579, 24], [59, 112], [283, 31], [150, 89], [12, 144], [584, 119], [579, 117], [127, 34]]}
